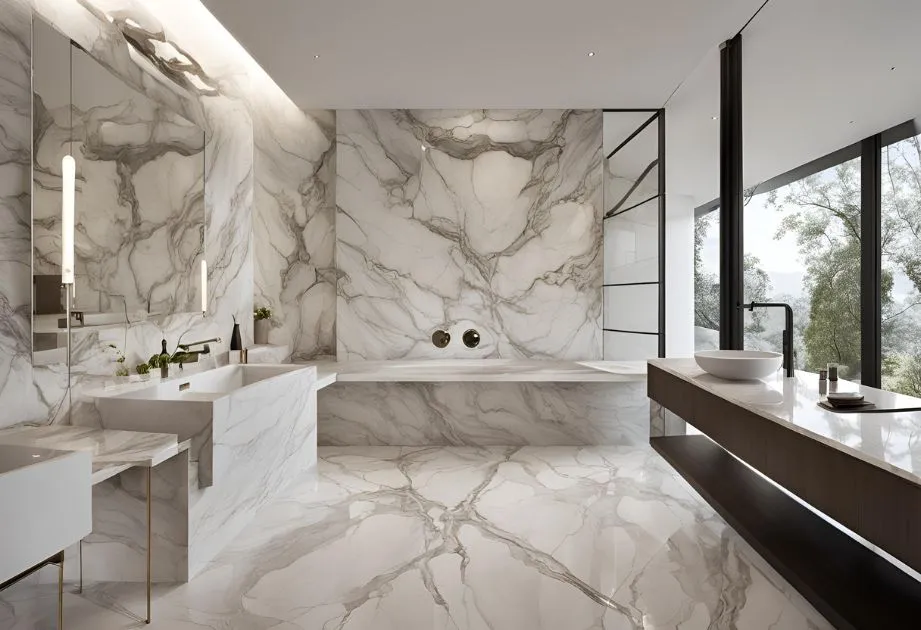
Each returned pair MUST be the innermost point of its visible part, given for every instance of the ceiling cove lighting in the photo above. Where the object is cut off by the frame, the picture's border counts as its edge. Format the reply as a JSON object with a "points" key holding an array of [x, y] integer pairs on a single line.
{"points": [[204, 287], [68, 194]]}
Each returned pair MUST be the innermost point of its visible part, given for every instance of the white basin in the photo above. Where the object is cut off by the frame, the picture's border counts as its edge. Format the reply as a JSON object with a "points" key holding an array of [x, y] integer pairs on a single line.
{"points": [[45, 504], [739, 365], [206, 406]]}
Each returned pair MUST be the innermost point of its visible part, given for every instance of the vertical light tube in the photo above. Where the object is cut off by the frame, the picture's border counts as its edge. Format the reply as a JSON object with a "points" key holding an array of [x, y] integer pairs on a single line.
{"points": [[204, 286], [68, 191]]}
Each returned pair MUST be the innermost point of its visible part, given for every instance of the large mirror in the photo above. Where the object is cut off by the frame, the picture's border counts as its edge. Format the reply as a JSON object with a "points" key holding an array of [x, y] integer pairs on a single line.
{"points": [[140, 209]]}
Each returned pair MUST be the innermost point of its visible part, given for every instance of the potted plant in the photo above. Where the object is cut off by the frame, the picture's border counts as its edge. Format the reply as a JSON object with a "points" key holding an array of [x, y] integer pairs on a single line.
{"points": [[262, 325]]}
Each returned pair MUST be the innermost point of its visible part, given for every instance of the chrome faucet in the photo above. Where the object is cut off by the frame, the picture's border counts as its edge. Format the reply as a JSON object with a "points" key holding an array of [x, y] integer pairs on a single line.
{"points": [[787, 331]]}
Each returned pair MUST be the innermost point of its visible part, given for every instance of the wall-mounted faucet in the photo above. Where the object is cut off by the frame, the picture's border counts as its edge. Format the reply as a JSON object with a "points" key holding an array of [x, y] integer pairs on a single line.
{"points": [[194, 354], [787, 331]]}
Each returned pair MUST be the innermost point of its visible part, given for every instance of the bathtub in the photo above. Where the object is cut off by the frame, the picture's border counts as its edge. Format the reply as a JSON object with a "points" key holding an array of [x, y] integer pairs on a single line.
{"points": [[482, 402]]}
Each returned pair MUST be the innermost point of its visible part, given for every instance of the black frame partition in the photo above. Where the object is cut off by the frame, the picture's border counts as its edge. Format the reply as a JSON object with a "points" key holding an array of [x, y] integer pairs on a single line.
{"points": [[617, 208]]}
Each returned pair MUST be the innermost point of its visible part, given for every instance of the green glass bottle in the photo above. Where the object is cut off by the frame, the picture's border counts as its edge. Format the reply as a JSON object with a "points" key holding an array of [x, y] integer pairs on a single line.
{"points": [[164, 360]]}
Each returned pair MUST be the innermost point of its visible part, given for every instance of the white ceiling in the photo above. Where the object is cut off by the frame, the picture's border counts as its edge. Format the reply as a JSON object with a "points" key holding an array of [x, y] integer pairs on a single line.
{"points": [[810, 67], [480, 53]]}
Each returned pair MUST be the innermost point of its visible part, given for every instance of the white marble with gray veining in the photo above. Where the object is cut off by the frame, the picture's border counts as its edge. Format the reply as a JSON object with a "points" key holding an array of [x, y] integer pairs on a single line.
{"points": [[456, 219], [488, 370], [107, 446], [465, 539], [483, 413], [184, 61], [140, 199]]}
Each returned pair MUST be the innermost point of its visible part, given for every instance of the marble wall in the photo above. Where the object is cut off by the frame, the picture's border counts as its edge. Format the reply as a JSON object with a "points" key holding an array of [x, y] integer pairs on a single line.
{"points": [[486, 219], [267, 173], [140, 166]]}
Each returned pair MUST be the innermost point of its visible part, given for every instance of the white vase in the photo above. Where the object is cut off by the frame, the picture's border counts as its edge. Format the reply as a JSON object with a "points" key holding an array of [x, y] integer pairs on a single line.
{"points": [[261, 331]]}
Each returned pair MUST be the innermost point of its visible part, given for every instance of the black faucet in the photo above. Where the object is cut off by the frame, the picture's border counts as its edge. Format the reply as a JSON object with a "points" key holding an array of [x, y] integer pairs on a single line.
{"points": [[787, 331]]}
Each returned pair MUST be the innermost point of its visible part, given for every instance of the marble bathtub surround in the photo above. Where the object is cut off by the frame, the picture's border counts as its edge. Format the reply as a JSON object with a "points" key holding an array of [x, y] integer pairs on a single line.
{"points": [[483, 413], [483, 402], [887, 440], [467, 538], [458, 219]]}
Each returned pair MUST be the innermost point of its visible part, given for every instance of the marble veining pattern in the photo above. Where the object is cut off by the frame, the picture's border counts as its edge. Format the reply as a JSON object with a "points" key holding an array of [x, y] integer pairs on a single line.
{"points": [[106, 446], [180, 58], [486, 219], [465, 539], [483, 414], [140, 200]]}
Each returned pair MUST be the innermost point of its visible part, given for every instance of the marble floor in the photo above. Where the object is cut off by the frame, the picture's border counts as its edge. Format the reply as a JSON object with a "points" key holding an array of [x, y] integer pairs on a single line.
{"points": [[555, 538]]}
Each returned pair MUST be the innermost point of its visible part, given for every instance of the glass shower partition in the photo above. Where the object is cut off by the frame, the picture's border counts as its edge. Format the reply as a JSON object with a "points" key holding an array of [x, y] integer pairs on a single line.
{"points": [[634, 234]]}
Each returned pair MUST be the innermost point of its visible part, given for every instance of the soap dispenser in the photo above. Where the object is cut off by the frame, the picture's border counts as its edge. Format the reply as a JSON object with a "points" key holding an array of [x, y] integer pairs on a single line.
{"points": [[236, 342]]}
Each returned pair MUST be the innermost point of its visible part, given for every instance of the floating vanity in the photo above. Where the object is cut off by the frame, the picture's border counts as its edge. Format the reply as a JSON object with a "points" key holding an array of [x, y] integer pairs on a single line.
{"points": [[481, 402], [802, 483]]}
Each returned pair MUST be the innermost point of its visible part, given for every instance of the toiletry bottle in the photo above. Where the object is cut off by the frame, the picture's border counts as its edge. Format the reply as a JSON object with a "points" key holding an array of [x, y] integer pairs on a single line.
{"points": [[164, 360]]}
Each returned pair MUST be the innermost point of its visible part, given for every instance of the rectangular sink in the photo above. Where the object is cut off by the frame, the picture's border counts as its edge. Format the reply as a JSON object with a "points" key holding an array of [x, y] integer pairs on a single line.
{"points": [[45, 505], [203, 407]]}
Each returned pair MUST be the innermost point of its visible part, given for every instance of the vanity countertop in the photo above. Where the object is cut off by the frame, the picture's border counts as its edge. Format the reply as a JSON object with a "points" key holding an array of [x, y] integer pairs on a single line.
{"points": [[112, 451], [13, 457], [889, 440]]}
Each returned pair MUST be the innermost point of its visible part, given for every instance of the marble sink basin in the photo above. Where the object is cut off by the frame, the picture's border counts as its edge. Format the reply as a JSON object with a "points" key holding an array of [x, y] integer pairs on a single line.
{"points": [[210, 408], [45, 505]]}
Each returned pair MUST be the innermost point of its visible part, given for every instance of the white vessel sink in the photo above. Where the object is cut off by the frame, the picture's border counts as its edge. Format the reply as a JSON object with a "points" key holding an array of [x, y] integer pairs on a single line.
{"points": [[739, 365], [206, 406], [45, 504]]}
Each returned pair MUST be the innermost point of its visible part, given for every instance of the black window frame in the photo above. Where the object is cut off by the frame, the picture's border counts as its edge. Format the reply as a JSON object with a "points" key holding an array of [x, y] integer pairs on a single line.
{"points": [[869, 150]]}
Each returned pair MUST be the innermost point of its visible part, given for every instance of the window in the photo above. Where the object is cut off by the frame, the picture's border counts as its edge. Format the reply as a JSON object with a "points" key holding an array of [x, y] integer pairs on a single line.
{"points": [[802, 247], [901, 265], [707, 281]]}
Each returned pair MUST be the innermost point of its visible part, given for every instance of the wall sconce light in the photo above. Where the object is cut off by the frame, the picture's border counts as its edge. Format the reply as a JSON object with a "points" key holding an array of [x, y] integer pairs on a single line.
{"points": [[204, 287], [69, 191]]}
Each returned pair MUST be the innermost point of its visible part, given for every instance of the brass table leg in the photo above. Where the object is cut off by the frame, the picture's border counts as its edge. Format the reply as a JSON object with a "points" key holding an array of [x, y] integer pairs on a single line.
{"points": [[61, 593], [149, 538]]}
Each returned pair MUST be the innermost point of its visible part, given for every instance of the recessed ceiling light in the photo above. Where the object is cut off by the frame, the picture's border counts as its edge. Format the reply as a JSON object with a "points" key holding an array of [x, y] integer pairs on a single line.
{"points": [[316, 56], [892, 68], [591, 54], [851, 122], [714, 117]]}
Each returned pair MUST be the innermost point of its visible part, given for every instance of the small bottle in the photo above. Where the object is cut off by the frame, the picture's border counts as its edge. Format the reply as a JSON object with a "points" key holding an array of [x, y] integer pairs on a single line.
{"points": [[164, 360], [833, 371]]}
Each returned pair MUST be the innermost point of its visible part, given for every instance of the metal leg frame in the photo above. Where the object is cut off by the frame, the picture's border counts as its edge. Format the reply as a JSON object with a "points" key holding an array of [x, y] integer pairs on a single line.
{"points": [[149, 550]]}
